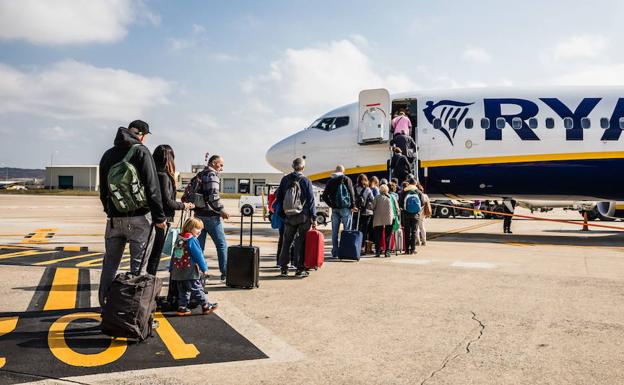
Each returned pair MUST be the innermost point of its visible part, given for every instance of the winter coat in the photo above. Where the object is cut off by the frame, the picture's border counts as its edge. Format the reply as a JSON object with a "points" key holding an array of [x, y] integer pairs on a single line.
{"points": [[168, 194], [191, 264], [211, 187], [329, 193], [382, 210], [144, 164]]}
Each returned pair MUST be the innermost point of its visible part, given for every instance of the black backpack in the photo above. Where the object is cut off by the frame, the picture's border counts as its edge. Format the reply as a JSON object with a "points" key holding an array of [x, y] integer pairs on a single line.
{"points": [[194, 192]]}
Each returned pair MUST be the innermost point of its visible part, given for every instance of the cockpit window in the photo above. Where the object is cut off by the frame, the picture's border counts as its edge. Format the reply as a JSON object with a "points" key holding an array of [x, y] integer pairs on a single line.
{"points": [[328, 124]]}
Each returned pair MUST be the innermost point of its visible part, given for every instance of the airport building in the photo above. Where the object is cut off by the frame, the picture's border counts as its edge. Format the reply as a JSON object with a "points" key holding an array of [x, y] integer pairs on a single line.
{"points": [[235, 183], [73, 177]]}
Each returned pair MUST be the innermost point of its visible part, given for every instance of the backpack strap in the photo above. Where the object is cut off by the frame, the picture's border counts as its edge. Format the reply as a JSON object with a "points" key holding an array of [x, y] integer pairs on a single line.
{"points": [[130, 152]]}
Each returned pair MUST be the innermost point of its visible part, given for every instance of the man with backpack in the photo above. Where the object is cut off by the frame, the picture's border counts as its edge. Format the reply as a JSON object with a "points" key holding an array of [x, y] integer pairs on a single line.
{"points": [[213, 211], [399, 165], [131, 199], [411, 207], [296, 196], [339, 195]]}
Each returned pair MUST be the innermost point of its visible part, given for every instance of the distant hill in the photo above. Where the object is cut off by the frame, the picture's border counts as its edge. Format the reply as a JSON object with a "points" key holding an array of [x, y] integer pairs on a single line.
{"points": [[14, 173]]}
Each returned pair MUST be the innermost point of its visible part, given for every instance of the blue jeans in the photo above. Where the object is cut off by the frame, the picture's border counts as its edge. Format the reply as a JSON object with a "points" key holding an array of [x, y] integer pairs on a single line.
{"points": [[190, 289], [339, 216], [214, 227]]}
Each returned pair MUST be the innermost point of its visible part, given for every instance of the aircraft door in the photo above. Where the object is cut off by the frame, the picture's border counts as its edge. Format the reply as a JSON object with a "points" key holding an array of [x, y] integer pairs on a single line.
{"points": [[374, 116]]}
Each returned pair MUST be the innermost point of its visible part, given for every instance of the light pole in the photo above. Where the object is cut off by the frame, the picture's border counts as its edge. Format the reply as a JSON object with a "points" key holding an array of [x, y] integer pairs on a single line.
{"points": [[51, 165]]}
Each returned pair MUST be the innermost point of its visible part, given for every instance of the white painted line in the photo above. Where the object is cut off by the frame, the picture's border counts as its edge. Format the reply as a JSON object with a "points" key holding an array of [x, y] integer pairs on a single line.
{"points": [[413, 261], [474, 265]]}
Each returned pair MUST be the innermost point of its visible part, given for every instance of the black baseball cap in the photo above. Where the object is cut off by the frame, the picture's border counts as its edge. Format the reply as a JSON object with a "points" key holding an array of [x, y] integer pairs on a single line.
{"points": [[139, 127]]}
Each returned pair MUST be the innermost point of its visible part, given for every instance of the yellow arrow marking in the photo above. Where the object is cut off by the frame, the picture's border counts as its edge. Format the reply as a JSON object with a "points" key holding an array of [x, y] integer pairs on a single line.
{"points": [[62, 294], [174, 343], [60, 349], [7, 325], [39, 236]]}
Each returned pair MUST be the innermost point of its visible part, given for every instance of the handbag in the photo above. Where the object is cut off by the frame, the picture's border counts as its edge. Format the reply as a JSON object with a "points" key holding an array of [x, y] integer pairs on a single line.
{"points": [[171, 237]]}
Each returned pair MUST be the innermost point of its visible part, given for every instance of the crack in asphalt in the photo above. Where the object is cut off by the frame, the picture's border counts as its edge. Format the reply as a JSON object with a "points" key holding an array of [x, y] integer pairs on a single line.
{"points": [[451, 357]]}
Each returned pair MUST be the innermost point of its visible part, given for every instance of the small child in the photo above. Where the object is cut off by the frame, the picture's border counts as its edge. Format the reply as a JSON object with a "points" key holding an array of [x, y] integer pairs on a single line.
{"points": [[187, 268]]}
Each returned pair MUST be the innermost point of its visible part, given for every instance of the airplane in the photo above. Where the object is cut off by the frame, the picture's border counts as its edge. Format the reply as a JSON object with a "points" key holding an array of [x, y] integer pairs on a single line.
{"points": [[555, 143]]}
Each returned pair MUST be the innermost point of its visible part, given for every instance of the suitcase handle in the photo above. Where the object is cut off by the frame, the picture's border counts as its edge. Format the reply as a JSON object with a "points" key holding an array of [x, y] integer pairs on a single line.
{"points": [[250, 230]]}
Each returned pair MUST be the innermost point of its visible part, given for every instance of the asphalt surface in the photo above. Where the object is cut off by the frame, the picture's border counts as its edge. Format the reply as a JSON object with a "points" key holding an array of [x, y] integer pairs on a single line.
{"points": [[474, 306]]}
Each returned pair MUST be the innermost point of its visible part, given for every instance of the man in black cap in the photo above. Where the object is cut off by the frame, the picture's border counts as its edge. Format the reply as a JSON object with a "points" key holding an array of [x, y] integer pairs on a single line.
{"points": [[129, 222]]}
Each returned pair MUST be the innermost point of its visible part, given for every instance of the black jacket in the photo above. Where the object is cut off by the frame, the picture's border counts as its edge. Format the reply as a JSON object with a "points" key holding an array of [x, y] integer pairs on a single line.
{"points": [[332, 186], [144, 164], [211, 187], [168, 194], [400, 166], [406, 144]]}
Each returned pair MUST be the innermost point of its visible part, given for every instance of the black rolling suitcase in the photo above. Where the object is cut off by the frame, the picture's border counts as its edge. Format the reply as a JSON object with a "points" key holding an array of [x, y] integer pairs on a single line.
{"points": [[130, 304], [243, 263]]}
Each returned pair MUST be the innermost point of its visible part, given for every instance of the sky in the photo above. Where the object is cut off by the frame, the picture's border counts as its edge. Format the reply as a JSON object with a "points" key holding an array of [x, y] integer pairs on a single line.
{"points": [[234, 77]]}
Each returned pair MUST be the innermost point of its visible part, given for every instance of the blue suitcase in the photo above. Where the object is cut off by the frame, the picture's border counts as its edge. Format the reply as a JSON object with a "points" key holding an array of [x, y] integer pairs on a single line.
{"points": [[350, 245]]}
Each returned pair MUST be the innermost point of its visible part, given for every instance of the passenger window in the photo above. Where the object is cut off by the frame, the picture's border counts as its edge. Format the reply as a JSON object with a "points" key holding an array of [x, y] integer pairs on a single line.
{"points": [[485, 123], [604, 123], [437, 123], [500, 123], [516, 123], [469, 123], [550, 123], [621, 123], [568, 123], [533, 123], [453, 123], [585, 123]]}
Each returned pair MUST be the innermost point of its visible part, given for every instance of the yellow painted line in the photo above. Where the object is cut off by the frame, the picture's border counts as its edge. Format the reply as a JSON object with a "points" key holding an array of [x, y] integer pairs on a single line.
{"points": [[98, 262], [40, 236], [26, 253], [179, 349], [44, 263], [62, 294], [348, 171], [522, 158], [7, 325], [10, 247], [62, 351], [71, 248]]}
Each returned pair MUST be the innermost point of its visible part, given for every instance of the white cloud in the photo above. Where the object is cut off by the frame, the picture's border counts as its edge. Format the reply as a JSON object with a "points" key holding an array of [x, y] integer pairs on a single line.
{"points": [[585, 46], [57, 133], [312, 79], [74, 90], [180, 44], [204, 121], [67, 21], [476, 55], [594, 75]]}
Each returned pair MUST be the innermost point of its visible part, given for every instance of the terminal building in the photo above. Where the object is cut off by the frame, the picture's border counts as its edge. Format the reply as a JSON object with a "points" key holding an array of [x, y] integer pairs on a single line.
{"points": [[73, 177], [86, 177]]}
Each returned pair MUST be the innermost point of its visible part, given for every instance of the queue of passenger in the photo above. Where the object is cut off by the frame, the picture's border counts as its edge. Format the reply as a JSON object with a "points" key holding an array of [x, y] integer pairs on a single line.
{"points": [[389, 215]]}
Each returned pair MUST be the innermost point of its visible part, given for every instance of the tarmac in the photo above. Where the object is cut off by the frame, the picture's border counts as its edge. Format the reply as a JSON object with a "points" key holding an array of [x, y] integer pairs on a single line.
{"points": [[475, 306]]}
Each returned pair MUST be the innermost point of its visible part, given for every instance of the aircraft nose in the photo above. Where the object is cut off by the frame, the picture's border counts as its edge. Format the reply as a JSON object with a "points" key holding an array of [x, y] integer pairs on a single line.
{"points": [[282, 153]]}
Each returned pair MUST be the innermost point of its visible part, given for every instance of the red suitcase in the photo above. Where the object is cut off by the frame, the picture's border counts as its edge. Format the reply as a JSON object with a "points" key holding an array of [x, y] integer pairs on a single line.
{"points": [[382, 244], [314, 249]]}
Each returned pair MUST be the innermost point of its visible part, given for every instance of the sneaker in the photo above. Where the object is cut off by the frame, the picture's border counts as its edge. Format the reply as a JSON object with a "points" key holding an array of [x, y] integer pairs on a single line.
{"points": [[424, 244], [155, 324], [182, 311], [209, 308], [284, 273], [387, 254], [302, 273], [222, 278]]}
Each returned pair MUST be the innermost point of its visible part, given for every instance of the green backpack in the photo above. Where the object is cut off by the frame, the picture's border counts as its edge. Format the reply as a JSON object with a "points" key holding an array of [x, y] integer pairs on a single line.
{"points": [[125, 187]]}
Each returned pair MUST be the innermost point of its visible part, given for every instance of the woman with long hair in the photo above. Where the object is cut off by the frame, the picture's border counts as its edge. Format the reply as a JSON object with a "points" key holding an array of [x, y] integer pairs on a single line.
{"points": [[165, 167]]}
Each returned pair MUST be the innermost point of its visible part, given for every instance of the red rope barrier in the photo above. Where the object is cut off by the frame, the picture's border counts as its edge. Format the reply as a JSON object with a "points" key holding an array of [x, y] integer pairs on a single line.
{"points": [[527, 216]]}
